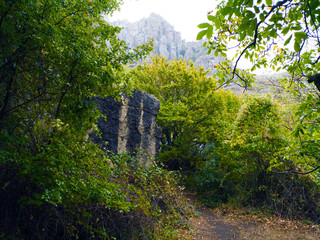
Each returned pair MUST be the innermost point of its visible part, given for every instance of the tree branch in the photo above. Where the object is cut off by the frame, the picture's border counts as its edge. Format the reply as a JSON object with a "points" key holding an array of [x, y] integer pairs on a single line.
{"points": [[299, 173], [70, 77], [254, 42]]}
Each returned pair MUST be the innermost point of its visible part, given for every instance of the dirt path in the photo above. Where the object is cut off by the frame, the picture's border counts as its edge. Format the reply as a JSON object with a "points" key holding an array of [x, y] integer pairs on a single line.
{"points": [[224, 225]]}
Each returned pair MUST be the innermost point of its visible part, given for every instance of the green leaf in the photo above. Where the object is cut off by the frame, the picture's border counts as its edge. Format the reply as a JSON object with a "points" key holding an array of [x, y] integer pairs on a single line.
{"points": [[250, 14], [269, 2], [201, 34], [250, 31], [300, 35], [273, 33], [288, 40], [227, 10], [211, 18], [296, 46], [297, 28], [256, 9], [285, 30], [262, 17], [209, 31], [217, 23], [243, 34], [204, 25]]}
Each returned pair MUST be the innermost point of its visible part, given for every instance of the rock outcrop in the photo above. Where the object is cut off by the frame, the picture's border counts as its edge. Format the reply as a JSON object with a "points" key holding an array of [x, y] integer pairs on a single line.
{"points": [[167, 42], [129, 125]]}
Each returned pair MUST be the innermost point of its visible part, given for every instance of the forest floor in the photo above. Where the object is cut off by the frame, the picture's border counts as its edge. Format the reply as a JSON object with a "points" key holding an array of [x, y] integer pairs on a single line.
{"points": [[224, 224]]}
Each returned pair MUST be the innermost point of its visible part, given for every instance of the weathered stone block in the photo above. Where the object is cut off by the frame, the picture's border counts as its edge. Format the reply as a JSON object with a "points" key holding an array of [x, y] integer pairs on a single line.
{"points": [[130, 124]]}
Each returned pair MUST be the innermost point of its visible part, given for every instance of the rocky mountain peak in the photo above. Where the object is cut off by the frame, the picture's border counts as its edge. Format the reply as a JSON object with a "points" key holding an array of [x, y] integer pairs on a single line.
{"points": [[167, 41]]}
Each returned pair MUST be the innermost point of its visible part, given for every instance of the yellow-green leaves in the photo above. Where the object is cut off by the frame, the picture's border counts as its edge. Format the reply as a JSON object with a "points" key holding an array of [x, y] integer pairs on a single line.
{"points": [[191, 110], [208, 32], [204, 25]]}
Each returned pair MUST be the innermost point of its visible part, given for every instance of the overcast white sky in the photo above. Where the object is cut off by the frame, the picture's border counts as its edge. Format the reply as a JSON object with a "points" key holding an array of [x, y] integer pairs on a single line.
{"points": [[183, 15]]}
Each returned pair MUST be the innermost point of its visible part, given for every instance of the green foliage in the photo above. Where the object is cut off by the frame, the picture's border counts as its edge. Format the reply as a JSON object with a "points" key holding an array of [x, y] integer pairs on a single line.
{"points": [[192, 112], [266, 147], [282, 35], [54, 55], [54, 183], [207, 180], [252, 165], [238, 164], [304, 138], [111, 197], [256, 139]]}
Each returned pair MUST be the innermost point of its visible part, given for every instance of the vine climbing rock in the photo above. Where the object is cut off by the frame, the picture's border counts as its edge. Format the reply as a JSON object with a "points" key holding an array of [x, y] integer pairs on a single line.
{"points": [[129, 125]]}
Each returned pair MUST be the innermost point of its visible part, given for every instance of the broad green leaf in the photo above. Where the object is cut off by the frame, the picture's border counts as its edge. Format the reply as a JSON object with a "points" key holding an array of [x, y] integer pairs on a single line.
{"points": [[243, 34], [269, 2], [217, 23], [249, 3], [300, 35], [273, 33], [227, 10], [201, 34], [285, 30], [256, 9], [204, 25], [211, 18], [262, 17], [209, 31], [250, 31], [296, 46], [250, 14], [297, 27]]}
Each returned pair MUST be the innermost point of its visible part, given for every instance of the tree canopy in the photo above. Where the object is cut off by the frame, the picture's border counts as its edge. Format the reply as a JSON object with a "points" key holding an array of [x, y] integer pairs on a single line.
{"points": [[282, 35], [192, 113], [54, 55]]}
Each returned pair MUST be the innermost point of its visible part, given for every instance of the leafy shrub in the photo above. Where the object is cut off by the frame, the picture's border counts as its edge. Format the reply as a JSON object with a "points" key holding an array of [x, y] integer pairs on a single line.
{"points": [[73, 190], [207, 180], [249, 168], [192, 112]]}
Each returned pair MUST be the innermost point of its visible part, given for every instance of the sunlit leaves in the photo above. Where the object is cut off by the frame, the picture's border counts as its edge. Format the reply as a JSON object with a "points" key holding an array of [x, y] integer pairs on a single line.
{"points": [[191, 110], [208, 32], [211, 18], [203, 25]]}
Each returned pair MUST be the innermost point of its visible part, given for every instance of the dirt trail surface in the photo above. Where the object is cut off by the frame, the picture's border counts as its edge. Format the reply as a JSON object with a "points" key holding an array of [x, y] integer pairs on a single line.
{"points": [[214, 224]]}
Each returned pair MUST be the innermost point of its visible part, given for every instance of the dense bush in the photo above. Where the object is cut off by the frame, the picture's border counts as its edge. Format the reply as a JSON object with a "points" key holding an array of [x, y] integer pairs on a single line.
{"points": [[249, 167], [56, 55], [192, 112], [107, 197]]}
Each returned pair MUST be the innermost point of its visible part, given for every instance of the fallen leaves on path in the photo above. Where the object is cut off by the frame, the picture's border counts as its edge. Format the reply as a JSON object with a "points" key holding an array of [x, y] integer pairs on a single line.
{"points": [[225, 224]]}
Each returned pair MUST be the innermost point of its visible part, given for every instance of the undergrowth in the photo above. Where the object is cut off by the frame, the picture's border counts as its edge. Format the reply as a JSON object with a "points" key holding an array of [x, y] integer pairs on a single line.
{"points": [[101, 196]]}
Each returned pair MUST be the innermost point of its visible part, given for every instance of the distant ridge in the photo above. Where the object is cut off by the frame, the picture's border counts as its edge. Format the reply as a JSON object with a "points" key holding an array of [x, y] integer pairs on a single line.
{"points": [[167, 41]]}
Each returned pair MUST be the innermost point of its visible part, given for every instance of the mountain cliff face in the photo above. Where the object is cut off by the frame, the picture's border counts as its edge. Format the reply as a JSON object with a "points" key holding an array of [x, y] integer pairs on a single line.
{"points": [[167, 41]]}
